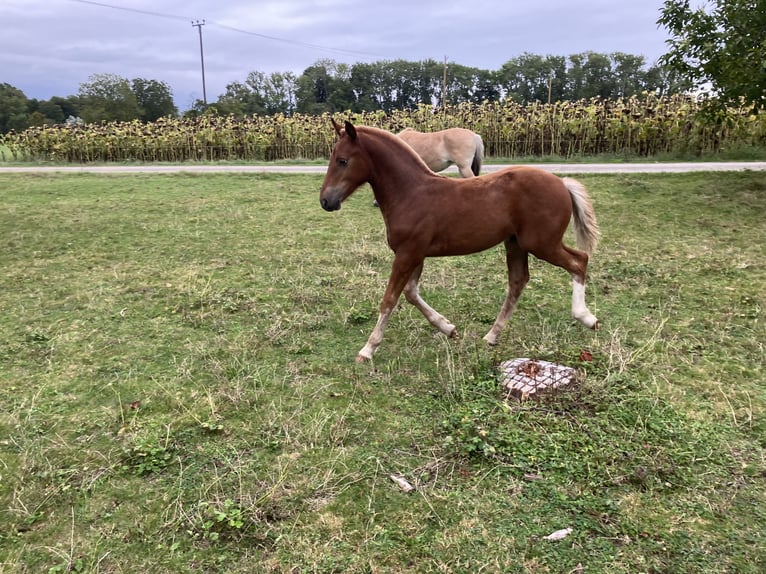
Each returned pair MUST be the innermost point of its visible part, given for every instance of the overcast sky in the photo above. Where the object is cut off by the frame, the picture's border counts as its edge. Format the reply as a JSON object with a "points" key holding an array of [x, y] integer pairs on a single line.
{"points": [[49, 47]]}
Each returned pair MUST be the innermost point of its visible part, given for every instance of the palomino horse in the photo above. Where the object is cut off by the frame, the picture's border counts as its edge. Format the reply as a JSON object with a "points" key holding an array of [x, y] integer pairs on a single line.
{"points": [[441, 149], [427, 215]]}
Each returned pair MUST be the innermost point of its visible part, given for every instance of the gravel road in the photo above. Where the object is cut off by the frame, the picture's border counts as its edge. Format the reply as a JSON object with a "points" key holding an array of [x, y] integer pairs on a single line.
{"points": [[560, 168]]}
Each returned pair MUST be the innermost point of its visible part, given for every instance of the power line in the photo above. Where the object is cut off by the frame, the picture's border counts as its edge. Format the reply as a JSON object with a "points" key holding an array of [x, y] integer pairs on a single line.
{"points": [[295, 42], [135, 10], [230, 28]]}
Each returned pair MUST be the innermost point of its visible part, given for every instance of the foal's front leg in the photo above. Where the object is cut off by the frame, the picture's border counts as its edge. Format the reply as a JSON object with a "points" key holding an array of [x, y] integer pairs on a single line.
{"points": [[401, 271], [412, 294]]}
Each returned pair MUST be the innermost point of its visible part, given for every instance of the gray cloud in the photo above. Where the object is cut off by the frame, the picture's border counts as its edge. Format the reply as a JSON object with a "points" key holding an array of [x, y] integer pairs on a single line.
{"points": [[49, 47]]}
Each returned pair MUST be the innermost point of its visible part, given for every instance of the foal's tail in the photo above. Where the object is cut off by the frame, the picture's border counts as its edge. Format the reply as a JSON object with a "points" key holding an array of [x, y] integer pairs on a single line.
{"points": [[585, 225], [478, 155]]}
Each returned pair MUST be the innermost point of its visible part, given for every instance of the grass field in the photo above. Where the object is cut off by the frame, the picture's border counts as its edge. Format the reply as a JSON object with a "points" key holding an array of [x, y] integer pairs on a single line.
{"points": [[180, 393]]}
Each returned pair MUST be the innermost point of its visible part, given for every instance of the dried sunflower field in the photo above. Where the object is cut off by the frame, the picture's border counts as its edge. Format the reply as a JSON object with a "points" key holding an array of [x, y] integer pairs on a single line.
{"points": [[636, 126]]}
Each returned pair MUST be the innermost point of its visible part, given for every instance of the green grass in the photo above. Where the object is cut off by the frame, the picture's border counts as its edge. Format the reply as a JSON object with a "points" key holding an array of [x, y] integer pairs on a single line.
{"points": [[180, 393]]}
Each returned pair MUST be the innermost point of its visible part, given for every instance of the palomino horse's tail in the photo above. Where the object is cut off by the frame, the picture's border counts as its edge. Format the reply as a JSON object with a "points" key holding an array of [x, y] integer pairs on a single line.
{"points": [[478, 155], [585, 225]]}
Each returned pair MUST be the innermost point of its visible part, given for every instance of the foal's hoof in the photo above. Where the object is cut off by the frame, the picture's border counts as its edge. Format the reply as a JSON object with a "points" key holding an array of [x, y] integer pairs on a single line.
{"points": [[588, 320], [453, 333], [596, 326], [490, 340], [362, 359]]}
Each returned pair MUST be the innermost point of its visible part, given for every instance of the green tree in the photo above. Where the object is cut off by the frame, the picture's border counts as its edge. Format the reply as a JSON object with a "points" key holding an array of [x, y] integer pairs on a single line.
{"points": [[363, 77], [599, 79], [428, 76], [529, 78], [314, 90], [401, 85], [51, 111], [374, 86], [324, 87], [576, 83], [464, 84], [341, 94], [629, 74], [486, 86], [275, 92], [664, 81], [198, 109], [70, 105], [590, 74], [154, 99], [13, 109], [108, 97], [260, 94], [722, 44], [38, 119], [238, 100]]}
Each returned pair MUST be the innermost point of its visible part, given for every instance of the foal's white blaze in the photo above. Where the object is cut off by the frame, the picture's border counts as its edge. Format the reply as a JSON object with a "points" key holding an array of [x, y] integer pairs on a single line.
{"points": [[579, 309]]}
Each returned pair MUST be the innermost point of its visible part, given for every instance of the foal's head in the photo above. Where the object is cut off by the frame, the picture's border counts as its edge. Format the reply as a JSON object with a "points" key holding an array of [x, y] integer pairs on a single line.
{"points": [[349, 168]]}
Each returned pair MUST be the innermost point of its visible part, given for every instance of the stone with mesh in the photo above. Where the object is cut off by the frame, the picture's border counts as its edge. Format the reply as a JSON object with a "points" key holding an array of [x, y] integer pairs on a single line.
{"points": [[526, 378]]}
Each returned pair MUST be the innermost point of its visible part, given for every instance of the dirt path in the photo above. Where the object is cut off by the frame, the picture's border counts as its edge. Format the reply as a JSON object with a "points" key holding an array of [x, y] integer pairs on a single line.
{"points": [[553, 167]]}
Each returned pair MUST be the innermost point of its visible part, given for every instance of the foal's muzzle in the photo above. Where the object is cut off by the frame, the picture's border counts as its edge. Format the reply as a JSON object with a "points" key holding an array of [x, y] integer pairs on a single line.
{"points": [[330, 204], [330, 200]]}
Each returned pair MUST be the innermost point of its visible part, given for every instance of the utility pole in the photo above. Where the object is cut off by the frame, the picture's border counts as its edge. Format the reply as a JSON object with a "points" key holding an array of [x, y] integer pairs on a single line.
{"points": [[444, 86], [550, 85], [199, 25]]}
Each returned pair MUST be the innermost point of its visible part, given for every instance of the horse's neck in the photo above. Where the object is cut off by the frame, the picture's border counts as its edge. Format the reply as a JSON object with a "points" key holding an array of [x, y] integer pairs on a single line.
{"points": [[396, 171]]}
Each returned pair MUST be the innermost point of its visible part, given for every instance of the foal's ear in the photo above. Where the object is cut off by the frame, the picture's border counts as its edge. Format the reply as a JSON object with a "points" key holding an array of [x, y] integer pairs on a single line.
{"points": [[350, 130], [336, 126]]}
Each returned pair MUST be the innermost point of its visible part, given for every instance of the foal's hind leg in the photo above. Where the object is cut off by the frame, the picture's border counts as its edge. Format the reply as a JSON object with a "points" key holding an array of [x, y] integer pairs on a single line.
{"points": [[412, 294], [518, 276], [576, 262]]}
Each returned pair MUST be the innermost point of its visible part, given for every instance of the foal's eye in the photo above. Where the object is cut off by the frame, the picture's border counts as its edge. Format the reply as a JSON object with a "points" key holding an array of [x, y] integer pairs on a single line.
{"points": [[342, 161]]}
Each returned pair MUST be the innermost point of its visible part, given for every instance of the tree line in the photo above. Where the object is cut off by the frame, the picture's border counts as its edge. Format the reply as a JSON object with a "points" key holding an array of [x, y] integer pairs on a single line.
{"points": [[105, 97], [328, 86], [403, 85]]}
